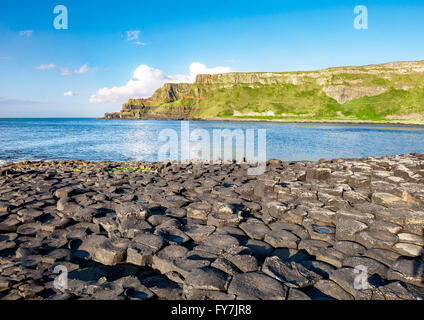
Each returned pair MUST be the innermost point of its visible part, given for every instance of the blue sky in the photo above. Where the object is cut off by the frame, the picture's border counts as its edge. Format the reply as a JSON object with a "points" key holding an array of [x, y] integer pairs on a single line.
{"points": [[96, 51]]}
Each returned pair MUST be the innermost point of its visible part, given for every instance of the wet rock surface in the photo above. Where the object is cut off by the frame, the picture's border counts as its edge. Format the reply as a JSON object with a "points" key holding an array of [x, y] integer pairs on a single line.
{"points": [[333, 229]]}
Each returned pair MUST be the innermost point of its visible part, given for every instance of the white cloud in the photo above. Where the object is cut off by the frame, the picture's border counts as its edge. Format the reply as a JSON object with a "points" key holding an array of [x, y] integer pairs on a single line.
{"points": [[69, 94], [146, 80], [65, 72], [82, 70], [26, 33], [133, 35], [198, 68], [46, 66]]}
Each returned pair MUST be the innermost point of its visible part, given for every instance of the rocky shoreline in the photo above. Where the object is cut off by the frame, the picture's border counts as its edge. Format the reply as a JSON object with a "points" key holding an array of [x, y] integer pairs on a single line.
{"points": [[302, 230], [414, 123]]}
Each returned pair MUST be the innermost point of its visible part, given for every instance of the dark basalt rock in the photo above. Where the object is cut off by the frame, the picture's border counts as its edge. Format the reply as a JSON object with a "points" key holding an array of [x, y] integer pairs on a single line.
{"points": [[302, 230], [292, 274], [256, 285]]}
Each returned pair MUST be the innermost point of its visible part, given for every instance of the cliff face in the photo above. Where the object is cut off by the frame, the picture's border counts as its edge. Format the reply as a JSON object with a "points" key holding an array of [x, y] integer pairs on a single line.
{"points": [[343, 84], [379, 91], [171, 92], [133, 112]]}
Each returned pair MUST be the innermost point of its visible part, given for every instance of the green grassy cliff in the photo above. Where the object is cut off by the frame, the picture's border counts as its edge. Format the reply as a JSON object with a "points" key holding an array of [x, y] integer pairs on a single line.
{"points": [[387, 92]]}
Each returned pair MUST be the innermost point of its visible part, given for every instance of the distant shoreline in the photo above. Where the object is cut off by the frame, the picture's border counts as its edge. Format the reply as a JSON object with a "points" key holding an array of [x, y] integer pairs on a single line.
{"points": [[364, 122]]}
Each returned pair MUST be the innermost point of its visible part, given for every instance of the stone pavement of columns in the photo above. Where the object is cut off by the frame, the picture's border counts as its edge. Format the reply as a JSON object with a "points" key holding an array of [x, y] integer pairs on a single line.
{"points": [[333, 229]]}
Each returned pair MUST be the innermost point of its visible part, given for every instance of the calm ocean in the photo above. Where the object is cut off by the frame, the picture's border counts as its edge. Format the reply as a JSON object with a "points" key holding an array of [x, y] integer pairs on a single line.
{"points": [[95, 139]]}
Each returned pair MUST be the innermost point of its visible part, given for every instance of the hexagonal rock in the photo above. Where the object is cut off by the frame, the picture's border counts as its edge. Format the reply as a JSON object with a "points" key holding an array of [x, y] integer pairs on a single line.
{"points": [[169, 223], [29, 229], [296, 229], [207, 279], [295, 294], [404, 172], [164, 288], [354, 197], [257, 285], [172, 235], [140, 251], [130, 228], [224, 208], [346, 229], [10, 224], [64, 192], [165, 258], [397, 291], [349, 248], [264, 188], [107, 222], [296, 215], [233, 232], [199, 294], [6, 245], [415, 218], [323, 215], [57, 255], [385, 226], [30, 290], [319, 230], [287, 254], [218, 243], [347, 279], [131, 210], [332, 289], [384, 198], [359, 180], [156, 220], [255, 229], [198, 233], [408, 249], [277, 209], [260, 249], [4, 283], [282, 239], [199, 210], [313, 246], [4, 208], [407, 270], [29, 215], [330, 256], [111, 251], [104, 250], [376, 239], [292, 274], [364, 217], [244, 262], [131, 288], [411, 238], [373, 266], [392, 215], [185, 266], [318, 174], [386, 257], [224, 219], [225, 265], [66, 204]]}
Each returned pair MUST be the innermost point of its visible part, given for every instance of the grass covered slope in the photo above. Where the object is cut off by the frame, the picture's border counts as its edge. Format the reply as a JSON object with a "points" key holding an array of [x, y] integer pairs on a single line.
{"points": [[389, 92]]}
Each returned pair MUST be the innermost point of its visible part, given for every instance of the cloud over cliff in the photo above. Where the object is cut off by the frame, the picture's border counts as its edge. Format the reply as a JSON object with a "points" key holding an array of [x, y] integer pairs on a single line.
{"points": [[146, 80]]}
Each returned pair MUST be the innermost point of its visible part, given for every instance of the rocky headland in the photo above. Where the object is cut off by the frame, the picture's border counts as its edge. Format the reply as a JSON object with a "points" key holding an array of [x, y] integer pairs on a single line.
{"points": [[391, 92], [302, 230]]}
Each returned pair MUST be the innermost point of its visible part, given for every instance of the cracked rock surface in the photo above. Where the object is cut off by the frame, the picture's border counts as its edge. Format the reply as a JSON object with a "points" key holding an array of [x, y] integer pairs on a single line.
{"points": [[333, 229]]}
